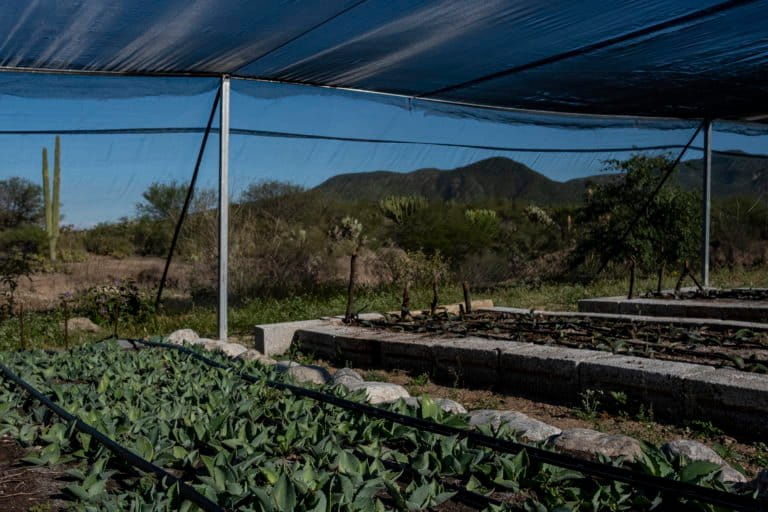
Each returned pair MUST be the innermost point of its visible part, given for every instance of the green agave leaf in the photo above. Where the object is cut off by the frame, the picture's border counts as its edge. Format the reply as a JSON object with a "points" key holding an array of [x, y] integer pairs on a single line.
{"points": [[322, 503], [145, 448], [271, 476], [179, 452], [348, 464], [429, 409], [284, 494], [78, 492], [697, 470]]}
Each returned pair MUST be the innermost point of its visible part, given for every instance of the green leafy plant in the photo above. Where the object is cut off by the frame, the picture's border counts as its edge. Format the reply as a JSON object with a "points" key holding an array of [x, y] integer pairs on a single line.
{"points": [[116, 302], [250, 447], [590, 401]]}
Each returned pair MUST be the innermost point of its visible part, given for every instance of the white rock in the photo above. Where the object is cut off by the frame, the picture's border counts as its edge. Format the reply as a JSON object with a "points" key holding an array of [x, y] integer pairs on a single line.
{"points": [[445, 404], [213, 344], [255, 355], [380, 392], [347, 377], [182, 335], [522, 424], [285, 364], [589, 443], [82, 324], [694, 450], [309, 374], [232, 349]]}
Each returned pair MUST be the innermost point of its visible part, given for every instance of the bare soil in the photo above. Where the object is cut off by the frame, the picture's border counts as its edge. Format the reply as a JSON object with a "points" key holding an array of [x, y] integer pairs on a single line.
{"points": [[43, 290], [23, 487], [715, 345]]}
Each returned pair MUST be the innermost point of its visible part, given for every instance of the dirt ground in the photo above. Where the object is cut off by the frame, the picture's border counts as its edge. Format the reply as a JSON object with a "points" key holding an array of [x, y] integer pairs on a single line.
{"points": [[44, 288], [25, 488]]}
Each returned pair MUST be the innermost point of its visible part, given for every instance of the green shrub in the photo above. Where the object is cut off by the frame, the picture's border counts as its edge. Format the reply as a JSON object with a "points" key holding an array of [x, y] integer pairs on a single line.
{"points": [[110, 239], [150, 237], [118, 301], [29, 239]]}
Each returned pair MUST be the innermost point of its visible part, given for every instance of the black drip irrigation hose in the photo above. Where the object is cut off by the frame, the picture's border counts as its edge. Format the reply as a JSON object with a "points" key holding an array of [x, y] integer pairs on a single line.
{"points": [[593, 469], [124, 454]]}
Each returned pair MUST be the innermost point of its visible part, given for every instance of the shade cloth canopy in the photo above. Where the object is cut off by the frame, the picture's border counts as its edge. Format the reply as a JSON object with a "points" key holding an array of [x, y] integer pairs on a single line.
{"points": [[687, 58]]}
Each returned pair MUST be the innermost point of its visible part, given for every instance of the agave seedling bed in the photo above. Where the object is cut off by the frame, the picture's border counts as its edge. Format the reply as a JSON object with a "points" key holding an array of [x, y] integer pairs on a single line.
{"points": [[711, 344], [247, 446]]}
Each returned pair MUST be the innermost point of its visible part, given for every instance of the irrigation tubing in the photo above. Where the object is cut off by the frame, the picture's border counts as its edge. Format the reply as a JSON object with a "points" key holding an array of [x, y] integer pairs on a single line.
{"points": [[587, 467], [124, 454]]}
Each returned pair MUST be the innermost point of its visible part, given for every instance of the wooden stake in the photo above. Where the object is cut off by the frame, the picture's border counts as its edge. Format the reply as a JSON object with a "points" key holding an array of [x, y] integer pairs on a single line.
{"points": [[679, 282], [351, 286], [661, 276], [693, 277], [22, 338], [467, 297], [433, 305], [631, 279], [65, 307], [405, 311]]}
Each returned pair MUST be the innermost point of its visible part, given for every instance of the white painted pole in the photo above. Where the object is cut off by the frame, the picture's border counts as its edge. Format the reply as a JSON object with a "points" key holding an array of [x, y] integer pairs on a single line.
{"points": [[706, 199], [223, 207]]}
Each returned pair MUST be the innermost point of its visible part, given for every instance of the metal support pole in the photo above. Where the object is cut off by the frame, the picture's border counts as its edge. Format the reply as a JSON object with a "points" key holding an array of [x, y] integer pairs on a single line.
{"points": [[706, 200], [223, 207]]}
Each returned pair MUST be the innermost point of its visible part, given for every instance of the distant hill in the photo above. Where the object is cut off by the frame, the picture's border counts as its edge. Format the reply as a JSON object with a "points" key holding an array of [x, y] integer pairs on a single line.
{"points": [[733, 174], [503, 178], [487, 179]]}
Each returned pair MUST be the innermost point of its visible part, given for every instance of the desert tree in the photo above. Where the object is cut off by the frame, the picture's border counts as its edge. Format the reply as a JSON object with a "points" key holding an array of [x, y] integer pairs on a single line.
{"points": [[20, 202], [662, 236]]}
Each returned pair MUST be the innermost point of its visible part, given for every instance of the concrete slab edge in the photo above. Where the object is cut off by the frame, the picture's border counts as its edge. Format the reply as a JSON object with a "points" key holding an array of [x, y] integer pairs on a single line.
{"points": [[737, 324]]}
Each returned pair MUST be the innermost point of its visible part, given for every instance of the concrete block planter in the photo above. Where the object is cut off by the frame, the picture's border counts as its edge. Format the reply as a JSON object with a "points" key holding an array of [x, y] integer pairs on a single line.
{"points": [[744, 310], [652, 381], [474, 360], [272, 339], [730, 397], [733, 399], [543, 371]]}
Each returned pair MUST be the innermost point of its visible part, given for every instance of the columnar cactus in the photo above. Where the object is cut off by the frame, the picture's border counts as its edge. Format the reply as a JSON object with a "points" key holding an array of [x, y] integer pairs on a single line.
{"points": [[51, 201], [399, 208]]}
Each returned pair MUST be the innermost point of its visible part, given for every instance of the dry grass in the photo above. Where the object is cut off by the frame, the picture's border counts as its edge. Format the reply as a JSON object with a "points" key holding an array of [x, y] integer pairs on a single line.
{"points": [[44, 289]]}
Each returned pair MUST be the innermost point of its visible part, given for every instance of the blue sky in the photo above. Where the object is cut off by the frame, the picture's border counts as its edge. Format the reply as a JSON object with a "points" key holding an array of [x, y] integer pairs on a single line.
{"points": [[103, 175]]}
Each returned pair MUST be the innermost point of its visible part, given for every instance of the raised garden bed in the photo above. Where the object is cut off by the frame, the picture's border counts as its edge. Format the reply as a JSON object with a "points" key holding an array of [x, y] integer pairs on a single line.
{"points": [[742, 304], [682, 368], [736, 347]]}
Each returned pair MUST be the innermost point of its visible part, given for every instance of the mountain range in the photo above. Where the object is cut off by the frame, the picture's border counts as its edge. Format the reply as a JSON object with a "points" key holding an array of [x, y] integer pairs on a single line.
{"points": [[734, 174]]}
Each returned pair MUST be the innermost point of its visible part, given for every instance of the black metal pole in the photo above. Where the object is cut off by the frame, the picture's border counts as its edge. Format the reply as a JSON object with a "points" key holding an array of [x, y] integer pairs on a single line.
{"points": [[188, 199]]}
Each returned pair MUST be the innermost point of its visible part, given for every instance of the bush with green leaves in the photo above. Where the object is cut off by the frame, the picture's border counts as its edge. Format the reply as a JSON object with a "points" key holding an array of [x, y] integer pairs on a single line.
{"points": [[27, 238], [114, 303], [21, 202], [612, 229]]}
